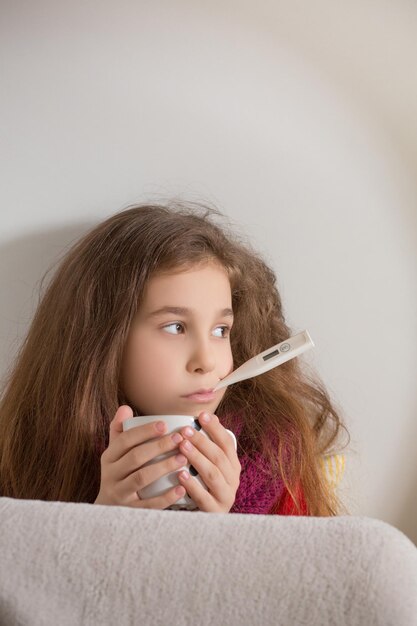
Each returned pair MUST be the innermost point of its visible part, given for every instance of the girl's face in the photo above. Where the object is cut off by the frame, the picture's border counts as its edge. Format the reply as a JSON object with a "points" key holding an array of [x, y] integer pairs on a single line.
{"points": [[171, 354]]}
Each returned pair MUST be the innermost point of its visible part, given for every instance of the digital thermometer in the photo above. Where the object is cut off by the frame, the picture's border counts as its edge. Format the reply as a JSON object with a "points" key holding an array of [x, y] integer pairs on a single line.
{"points": [[269, 359]]}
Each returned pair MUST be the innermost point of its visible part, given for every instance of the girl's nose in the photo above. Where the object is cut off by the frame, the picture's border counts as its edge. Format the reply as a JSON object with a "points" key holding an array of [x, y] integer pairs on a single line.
{"points": [[202, 358]]}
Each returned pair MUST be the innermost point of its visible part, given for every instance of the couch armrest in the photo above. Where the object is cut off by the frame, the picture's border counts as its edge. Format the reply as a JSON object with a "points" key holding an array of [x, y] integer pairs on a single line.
{"points": [[83, 564]]}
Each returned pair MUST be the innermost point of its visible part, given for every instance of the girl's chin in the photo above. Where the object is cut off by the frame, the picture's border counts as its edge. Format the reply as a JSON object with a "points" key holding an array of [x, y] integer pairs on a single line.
{"points": [[185, 408], [192, 408]]}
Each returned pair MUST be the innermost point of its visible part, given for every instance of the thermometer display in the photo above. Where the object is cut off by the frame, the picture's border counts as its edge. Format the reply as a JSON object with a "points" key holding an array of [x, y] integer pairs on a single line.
{"points": [[266, 360]]}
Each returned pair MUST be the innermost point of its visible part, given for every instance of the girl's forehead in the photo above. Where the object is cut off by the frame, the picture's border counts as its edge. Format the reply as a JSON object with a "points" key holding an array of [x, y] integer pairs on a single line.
{"points": [[213, 271], [190, 285]]}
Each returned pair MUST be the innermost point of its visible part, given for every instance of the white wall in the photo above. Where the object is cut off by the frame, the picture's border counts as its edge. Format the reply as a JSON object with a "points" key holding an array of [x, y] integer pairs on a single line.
{"points": [[296, 119]]}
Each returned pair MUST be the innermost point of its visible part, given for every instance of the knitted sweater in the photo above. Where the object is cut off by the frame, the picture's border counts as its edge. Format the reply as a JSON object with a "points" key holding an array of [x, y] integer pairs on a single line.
{"points": [[258, 493]]}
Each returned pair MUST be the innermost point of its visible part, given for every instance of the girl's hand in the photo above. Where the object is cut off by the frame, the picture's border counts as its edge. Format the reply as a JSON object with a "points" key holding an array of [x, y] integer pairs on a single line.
{"points": [[217, 463], [122, 471]]}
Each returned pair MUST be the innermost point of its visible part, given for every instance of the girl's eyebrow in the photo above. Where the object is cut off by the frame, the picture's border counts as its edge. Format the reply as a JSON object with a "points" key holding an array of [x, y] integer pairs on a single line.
{"points": [[180, 310]]}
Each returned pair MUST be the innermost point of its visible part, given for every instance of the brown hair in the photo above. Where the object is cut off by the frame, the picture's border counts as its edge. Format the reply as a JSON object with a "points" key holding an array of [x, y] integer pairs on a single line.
{"points": [[64, 388]]}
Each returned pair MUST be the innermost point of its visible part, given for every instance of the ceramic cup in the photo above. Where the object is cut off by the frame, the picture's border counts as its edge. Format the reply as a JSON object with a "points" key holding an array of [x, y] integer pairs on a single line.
{"points": [[162, 484]]}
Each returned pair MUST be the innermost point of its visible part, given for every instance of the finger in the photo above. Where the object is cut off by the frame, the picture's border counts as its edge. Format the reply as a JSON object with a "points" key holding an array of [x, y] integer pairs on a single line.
{"points": [[203, 499], [143, 476], [218, 433], [125, 491], [215, 478], [210, 449], [123, 413], [133, 437], [163, 501], [137, 448]]}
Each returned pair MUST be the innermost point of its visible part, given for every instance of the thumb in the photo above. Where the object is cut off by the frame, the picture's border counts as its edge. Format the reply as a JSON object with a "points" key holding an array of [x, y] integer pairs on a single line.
{"points": [[123, 413]]}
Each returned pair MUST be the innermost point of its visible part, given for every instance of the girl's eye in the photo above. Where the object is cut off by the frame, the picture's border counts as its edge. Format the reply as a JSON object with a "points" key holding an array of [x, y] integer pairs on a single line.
{"points": [[225, 329], [174, 329]]}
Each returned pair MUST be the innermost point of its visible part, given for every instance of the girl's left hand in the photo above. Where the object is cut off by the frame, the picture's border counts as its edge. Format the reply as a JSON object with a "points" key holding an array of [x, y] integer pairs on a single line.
{"points": [[217, 463]]}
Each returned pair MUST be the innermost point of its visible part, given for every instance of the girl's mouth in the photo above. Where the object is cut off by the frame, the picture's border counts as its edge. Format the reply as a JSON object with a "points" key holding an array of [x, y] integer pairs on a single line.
{"points": [[205, 396]]}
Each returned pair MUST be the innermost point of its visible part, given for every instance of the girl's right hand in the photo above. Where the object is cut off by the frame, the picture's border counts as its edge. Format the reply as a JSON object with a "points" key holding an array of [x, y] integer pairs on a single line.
{"points": [[122, 471]]}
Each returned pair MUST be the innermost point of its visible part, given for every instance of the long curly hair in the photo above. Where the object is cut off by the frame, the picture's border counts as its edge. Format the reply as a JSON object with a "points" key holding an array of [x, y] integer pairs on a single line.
{"points": [[64, 387]]}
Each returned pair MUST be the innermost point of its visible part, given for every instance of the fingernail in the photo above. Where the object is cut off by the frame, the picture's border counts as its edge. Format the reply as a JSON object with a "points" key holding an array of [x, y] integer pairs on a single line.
{"points": [[205, 417], [176, 438], [160, 426], [180, 459], [185, 475], [189, 431]]}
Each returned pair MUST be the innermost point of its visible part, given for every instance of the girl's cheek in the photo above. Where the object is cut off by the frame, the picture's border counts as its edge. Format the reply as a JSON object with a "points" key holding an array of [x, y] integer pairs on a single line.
{"points": [[229, 369]]}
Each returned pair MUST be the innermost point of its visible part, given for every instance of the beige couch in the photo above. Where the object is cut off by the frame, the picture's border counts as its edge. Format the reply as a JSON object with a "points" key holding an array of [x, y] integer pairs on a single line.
{"points": [[68, 564]]}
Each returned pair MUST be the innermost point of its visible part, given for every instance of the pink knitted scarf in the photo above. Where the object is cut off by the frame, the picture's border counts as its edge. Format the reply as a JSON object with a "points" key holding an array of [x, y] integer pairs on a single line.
{"points": [[257, 492]]}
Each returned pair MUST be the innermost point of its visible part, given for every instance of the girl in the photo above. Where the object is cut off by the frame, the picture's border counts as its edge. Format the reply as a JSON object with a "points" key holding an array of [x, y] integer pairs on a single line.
{"points": [[151, 306]]}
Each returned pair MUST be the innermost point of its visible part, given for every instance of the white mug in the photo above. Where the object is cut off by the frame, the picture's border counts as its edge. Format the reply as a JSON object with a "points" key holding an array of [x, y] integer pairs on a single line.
{"points": [[164, 483]]}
